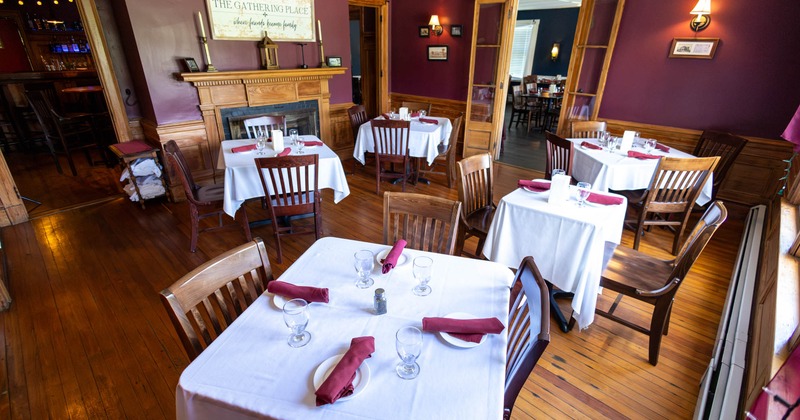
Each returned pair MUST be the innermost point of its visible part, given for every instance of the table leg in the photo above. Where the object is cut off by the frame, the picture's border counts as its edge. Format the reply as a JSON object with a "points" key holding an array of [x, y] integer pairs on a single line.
{"points": [[555, 310]]}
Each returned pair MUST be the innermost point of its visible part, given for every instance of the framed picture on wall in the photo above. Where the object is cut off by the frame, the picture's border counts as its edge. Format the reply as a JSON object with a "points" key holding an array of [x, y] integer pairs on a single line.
{"points": [[437, 52], [693, 48], [424, 31], [334, 61], [455, 30], [191, 65]]}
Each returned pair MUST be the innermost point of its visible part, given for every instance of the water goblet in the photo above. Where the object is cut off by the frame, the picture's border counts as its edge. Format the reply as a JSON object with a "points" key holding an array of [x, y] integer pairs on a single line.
{"points": [[365, 260], [408, 342], [261, 143], [422, 113], [555, 172], [296, 318], [423, 268], [584, 189], [649, 145], [300, 145], [293, 134]]}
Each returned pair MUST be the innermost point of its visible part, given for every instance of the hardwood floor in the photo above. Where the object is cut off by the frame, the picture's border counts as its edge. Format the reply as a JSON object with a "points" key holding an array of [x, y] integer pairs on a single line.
{"points": [[86, 335]]}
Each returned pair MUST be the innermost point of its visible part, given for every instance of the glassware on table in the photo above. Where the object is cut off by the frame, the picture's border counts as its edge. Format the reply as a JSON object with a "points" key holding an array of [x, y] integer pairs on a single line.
{"points": [[422, 113], [613, 143], [295, 315], [584, 189], [364, 261], [555, 172], [261, 143], [300, 145], [294, 134], [649, 145], [423, 269], [408, 342]]}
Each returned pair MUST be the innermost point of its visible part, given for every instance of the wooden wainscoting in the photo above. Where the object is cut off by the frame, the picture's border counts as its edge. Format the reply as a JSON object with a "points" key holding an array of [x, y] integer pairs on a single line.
{"points": [[755, 175], [439, 108], [341, 133]]}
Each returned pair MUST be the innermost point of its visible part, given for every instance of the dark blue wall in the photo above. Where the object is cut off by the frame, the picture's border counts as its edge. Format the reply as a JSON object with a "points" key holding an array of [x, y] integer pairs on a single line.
{"points": [[555, 25]]}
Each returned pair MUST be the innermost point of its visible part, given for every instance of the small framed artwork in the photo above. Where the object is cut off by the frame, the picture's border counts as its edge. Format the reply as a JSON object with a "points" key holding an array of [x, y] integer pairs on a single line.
{"points": [[191, 65], [437, 52], [424, 31], [334, 61], [455, 30], [693, 48]]}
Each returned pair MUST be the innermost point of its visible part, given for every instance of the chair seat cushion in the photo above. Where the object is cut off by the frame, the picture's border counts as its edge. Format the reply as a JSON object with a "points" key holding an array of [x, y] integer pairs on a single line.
{"points": [[480, 219], [630, 269], [211, 192]]}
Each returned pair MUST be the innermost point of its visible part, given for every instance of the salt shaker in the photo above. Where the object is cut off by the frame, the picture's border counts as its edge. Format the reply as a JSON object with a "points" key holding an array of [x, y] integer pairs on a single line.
{"points": [[380, 301]]}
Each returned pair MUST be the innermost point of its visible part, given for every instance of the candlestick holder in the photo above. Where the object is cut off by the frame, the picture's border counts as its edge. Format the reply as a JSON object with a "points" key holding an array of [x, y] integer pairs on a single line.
{"points": [[209, 67], [303, 55], [322, 56]]}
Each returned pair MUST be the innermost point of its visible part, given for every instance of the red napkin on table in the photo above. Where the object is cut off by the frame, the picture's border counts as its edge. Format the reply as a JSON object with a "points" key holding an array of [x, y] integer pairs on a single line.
{"points": [[391, 258], [429, 120], [538, 186], [386, 117], [588, 145], [247, 148], [340, 382], [288, 290], [640, 155], [471, 330], [606, 200], [312, 143], [662, 147], [285, 152], [415, 114]]}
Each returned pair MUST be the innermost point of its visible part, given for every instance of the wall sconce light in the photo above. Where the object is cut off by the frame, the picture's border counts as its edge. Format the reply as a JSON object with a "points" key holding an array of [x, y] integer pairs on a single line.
{"points": [[703, 18], [436, 27], [554, 51]]}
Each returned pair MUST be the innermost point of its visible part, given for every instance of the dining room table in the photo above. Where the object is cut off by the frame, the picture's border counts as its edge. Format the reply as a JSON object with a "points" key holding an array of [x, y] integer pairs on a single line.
{"points": [[423, 139], [241, 174], [614, 170], [548, 99], [250, 371], [571, 244]]}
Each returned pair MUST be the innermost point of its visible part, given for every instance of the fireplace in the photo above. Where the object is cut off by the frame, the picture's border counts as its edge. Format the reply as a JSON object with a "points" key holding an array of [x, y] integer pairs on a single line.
{"points": [[303, 115]]}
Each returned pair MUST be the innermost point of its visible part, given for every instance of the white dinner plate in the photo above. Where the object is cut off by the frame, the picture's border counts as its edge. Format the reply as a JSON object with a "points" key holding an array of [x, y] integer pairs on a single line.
{"points": [[400, 260], [325, 368], [531, 190], [457, 341], [278, 301]]}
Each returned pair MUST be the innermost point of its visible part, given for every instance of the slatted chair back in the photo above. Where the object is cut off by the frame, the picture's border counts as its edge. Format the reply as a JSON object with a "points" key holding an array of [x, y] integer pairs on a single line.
{"points": [[559, 154], [588, 129], [358, 116], [262, 126], [425, 222], [698, 239], [445, 162], [204, 302], [390, 140], [181, 168], [476, 186], [726, 146], [528, 329], [417, 106], [528, 80]]}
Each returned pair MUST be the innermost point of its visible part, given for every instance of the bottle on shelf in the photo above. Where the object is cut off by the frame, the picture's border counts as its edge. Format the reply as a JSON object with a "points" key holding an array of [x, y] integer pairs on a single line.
{"points": [[73, 45]]}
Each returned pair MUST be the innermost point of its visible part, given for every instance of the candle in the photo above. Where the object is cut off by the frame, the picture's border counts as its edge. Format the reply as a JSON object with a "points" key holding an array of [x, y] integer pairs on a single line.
{"points": [[319, 30], [200, 19]]}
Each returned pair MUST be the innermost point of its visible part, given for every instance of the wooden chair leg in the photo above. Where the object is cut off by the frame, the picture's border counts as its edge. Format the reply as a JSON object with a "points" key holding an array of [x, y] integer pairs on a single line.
{"points": [[245, 222], [277, 240], [657, 325], [195, 218]]}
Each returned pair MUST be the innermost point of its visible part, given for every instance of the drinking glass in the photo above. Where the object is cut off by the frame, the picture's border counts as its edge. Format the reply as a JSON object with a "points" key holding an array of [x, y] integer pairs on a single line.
{"points": [[584, 189], [605, 138], [261, 143], [649, 145], [293, 134], [423, 268], [422, 113], [296, 318], [555, 172], [365, 260], [408, 342], [300, 145]]}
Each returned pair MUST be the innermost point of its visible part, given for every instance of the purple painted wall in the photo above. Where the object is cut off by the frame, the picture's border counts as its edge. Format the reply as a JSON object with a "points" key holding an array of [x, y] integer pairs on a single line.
{"points": [[411, 72], [749, 88]]}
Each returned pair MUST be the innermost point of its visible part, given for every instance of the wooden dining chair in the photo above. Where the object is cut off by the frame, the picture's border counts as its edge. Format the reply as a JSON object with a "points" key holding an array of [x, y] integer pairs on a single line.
{"points": [[204, 201], [445, 162], [668, 201], [204, 302], [261, 126], [418, 106], [726, 146], [588, 129], [476, 192], [653, 281], [530, 79], [528, 329], [519, 108], [427, 223], [559, 154], [293, 188], [358, 116], [390, 140]]}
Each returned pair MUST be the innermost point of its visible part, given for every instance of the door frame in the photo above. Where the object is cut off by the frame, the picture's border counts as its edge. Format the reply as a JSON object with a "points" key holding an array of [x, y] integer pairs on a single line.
{"points": [[382, 44]]}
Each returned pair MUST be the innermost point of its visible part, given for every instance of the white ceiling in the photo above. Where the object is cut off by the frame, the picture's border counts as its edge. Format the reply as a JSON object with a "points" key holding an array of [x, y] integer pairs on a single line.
{"points": [[547, 4]]}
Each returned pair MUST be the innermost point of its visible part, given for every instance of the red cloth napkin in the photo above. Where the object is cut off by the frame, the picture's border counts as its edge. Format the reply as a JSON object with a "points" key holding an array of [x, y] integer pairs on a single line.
{"points": [[340, 382], [309, 294], [538, 186], [429, 120], [471, 330], [386, 117], [603, 199], [391, 258], [640, 155], [131, 147], [588, 145], [247, 148], [662, 147], [285, 152], [312, 143], [415, 114]]}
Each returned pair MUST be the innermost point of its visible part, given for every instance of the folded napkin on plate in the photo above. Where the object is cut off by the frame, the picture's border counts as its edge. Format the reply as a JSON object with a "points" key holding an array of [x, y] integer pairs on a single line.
{"points": [[606, 200], [285, 152], [471, 330], [640, 155], [247, 148], [291, 291], [391, 258], [538, 186], [340, 382], [312, 143], [662, 147], [429, 120], [588, 145], [415, 114]]}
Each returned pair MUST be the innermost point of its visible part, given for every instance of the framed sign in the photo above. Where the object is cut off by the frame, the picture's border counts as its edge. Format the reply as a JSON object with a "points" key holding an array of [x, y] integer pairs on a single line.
{"points": [[693, 48], [191, 65], [283, 20], [437, 52], [424, 31], [334, 61], [455, 30]]}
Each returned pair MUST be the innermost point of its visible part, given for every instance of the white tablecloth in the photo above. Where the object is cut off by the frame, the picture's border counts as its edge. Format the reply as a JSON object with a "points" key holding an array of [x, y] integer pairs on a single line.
{"points": [[241, 175], [616, 171], [423, 140], [250, 371], [571, 245]]}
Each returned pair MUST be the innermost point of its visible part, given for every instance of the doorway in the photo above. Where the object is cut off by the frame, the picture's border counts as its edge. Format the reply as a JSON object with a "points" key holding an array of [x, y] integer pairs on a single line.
{"points": [[365, 61]]}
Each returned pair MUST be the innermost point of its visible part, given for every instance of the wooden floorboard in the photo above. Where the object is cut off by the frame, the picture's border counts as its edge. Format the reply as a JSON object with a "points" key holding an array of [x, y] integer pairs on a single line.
{"points": [[87, 337]]}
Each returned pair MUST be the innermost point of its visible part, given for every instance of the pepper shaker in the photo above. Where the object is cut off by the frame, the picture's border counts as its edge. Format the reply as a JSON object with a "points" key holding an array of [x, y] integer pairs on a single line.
{"points": [[380, 301]]}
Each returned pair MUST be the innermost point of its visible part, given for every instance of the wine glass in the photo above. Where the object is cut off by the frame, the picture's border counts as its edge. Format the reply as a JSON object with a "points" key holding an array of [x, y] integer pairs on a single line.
{"points": [[555, 172], [300, 145], [296, 318], [649, 145], [423, 268], [261, 143], [408, 342], [602, 140], [294, 134], [365, 260], [584, 189]]}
